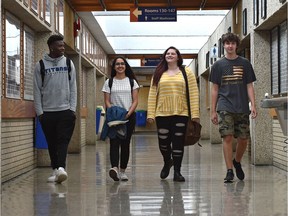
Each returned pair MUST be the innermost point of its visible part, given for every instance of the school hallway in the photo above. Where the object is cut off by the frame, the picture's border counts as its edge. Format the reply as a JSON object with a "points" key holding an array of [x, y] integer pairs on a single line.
{"points": [[89, 191]]}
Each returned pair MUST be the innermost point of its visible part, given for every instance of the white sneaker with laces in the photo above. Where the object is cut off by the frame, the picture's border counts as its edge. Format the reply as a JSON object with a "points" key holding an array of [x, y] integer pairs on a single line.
{"points": [[113, 173], [123, 176], [53, 176], [61, 175]]}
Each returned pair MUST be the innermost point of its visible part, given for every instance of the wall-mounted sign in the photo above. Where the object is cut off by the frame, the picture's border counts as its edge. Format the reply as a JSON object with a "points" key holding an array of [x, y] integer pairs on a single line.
{"points": [[153, 14]]}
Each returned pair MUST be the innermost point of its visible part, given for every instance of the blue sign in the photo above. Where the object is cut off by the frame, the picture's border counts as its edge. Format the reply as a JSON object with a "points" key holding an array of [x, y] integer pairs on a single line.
{"points": [[152, 61], [153, 14]]}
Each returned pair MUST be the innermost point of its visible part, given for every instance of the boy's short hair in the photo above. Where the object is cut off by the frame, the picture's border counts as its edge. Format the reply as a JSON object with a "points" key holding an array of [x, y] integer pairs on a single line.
{"points": [[54, 38], [230, 37]]}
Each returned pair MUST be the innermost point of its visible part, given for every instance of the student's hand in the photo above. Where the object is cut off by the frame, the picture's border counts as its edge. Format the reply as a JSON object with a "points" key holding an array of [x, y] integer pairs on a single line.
{"points": [[253, 113], [127, 115], [150, 120], [40, 117], [214, 118], [196, 120]]}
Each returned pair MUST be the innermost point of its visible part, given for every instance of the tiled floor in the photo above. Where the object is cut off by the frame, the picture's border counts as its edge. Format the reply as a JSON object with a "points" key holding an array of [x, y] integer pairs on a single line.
{"points": [[89, 191]]}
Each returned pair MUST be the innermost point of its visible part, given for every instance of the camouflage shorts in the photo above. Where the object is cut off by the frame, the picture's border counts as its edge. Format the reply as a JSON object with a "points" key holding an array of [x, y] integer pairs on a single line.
{"points": [[236, 124]]}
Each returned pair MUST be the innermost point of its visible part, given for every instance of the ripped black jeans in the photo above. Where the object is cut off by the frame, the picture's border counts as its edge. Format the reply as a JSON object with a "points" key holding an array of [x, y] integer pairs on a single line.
{"points": [[171, 134]]}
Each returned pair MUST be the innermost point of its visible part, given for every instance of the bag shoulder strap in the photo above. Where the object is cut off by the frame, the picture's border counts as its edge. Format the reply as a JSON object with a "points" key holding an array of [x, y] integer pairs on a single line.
{"points": [[187, 89], [68, 63], [110, 82], [42, 70], [131, 83]]}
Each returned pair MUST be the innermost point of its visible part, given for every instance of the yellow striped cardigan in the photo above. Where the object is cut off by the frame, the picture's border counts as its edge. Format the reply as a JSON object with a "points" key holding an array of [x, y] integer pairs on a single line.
{"points": [[169, 97]]}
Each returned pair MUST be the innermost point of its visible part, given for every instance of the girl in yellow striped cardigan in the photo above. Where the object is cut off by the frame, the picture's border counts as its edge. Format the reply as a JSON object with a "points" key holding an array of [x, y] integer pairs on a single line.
{"points": [[167, 105]]}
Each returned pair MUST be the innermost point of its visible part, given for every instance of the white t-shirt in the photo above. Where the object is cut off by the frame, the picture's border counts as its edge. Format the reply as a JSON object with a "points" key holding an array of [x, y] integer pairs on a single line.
{"points": [[120, 94]]}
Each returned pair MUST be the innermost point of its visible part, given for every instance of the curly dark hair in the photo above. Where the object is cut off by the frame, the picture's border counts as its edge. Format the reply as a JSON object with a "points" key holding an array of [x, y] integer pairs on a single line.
{"points": [[128, 71], [230, 37], [54, 38], [163, 66]]}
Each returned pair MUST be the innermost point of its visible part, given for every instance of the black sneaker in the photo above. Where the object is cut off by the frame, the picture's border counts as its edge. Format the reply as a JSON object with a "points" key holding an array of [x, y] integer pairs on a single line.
{"points": [[229, 176], [239, 172]]}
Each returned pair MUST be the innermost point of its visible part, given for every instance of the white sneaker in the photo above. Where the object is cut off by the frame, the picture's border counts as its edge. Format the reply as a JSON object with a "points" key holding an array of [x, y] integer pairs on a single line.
{"points": [[123, 176], [61, 175], [113, 173], [53, 176]]}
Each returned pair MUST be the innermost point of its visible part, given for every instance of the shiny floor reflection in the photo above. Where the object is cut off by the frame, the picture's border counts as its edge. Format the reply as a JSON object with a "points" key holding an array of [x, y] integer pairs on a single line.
{"points": [[89, 191]]}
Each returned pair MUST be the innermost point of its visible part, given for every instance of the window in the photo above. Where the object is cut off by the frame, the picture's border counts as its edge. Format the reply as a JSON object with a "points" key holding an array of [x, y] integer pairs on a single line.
{"points": [[207, 59], [220, 48], [28, 63], [274, 61], [255, 11], [12, 67], [84, 89], [47, 15], [61, 16], [19, 60], [279, 49], [283, 57], [34, 6], [56, 18], [26, 2], [244, 22], [263, 9]]}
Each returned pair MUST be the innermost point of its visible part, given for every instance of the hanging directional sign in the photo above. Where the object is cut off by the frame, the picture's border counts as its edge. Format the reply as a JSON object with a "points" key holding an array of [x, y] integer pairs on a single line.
{"points": [[153, 14]]}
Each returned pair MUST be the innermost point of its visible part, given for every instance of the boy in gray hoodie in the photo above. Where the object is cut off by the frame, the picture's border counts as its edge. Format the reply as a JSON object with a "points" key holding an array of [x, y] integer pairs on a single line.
{"points": [[55, 98]]}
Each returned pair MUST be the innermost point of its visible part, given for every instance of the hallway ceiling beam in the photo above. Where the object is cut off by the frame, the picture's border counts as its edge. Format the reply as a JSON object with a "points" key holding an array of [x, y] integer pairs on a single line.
{"points": [[125, 5]]}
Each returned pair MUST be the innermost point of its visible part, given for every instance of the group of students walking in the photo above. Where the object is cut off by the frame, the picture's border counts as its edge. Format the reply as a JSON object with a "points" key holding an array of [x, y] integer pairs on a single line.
{"points": [[232, 80]]}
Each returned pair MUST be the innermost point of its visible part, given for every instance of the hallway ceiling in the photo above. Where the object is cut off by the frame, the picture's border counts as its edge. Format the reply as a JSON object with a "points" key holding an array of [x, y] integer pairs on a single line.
{"points": [[125, 5], [109, 22]]}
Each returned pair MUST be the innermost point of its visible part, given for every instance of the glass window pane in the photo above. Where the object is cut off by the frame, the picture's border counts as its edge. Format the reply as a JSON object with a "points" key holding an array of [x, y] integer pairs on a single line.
{"points": [[274, 61], [283, 57], [12, 57], [48, 11], [34, 5], [61, 16], [28, 63]]}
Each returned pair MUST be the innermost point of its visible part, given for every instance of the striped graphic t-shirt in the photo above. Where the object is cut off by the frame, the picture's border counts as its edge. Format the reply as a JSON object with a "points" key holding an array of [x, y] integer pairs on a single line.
{"points": [[120, 92]]}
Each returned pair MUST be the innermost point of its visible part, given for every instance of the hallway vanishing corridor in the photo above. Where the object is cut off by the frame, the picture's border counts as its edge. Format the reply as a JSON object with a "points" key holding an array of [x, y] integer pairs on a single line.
{"points": [[89, 191]]}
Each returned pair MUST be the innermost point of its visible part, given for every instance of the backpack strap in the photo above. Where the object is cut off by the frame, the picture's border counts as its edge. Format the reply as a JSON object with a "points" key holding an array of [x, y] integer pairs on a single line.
{"points": [[68, 63], [131, 84], [110, 82], [187, 89], [42, 70]]}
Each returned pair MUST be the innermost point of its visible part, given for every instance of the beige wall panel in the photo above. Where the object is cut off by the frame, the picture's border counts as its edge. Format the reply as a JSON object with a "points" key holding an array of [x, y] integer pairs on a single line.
{"points": [[17, 148]]}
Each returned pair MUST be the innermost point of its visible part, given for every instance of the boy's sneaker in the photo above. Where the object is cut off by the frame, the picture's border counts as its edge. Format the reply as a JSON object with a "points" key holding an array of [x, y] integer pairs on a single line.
{"points": [[239, 172], [61, 175], [113, 173], [123, 176], [53, 176], [229, 176]]}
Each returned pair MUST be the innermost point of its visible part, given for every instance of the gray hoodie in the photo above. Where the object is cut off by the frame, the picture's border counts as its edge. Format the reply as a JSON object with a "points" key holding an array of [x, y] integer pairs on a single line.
{"points": [[57, 93]]}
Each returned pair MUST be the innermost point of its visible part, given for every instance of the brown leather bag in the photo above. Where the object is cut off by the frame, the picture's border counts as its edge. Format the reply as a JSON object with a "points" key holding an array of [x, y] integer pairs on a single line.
{"points": [[193, 133]]}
